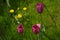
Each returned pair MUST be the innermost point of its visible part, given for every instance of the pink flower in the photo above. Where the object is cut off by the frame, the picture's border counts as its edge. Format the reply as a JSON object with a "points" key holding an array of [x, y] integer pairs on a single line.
{"points": [[20, 28], [40, 7], [36, 28]]}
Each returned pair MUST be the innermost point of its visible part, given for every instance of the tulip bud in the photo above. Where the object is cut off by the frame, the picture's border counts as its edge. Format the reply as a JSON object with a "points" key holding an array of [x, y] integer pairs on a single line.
{"points": [[36, 28], [20, 29], [40, 7]]}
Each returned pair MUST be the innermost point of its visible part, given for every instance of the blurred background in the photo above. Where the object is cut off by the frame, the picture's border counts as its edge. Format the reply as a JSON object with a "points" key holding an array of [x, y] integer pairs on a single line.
{"points": [[50, 18]]}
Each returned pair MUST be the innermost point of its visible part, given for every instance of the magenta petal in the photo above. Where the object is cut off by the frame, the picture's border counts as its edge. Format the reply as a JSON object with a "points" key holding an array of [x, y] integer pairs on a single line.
{"points": [[20, 29], [40, 7], [38, 25], [36, 28]]}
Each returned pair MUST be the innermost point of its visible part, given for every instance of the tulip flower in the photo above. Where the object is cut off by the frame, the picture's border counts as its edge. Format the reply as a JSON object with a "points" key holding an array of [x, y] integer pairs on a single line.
{"points": [[40, 7], [20, 29], [36, 28]]}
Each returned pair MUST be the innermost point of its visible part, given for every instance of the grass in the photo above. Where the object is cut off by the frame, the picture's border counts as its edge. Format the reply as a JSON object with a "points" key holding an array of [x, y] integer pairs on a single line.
{"points": [[50, 20]]}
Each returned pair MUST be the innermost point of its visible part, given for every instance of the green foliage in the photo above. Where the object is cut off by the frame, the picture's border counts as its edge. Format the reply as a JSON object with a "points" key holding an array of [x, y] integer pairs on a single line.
{"points": [[50, 19]]}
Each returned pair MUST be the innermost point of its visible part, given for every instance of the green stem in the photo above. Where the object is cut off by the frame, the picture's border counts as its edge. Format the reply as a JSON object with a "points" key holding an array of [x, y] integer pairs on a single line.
{"points": [[40, 36], [8, 3]]}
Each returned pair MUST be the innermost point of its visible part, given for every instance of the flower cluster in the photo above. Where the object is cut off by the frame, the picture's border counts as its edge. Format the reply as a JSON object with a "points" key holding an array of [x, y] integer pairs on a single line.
{"points": [[18, 15], [35, 27]]}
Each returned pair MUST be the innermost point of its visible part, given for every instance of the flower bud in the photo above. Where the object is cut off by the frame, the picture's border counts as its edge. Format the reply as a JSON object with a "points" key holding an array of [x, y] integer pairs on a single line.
{"points": [[40, 7], [36, 28], [20, 29]]}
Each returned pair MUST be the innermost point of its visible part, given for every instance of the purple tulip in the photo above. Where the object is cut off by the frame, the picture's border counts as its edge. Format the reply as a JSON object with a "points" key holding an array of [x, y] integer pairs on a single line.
{"points": [[40, 7], [36, 28], [20, 28]]}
